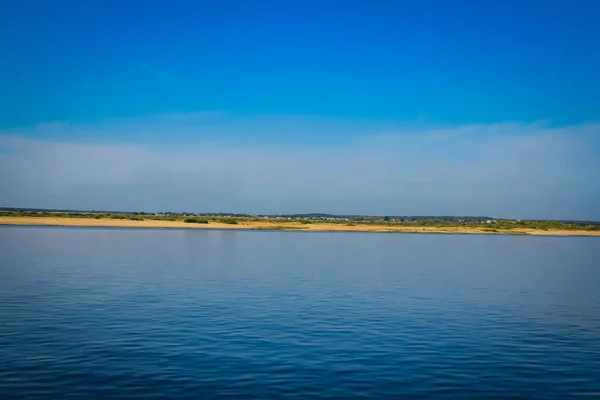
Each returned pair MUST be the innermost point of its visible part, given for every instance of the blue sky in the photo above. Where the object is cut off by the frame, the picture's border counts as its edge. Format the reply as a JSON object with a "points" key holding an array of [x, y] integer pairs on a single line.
{"points": [[404, 107]]}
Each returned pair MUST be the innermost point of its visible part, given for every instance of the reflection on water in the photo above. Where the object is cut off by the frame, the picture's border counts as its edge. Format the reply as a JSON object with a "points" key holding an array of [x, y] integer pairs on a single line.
{"points": [[118, 313]]}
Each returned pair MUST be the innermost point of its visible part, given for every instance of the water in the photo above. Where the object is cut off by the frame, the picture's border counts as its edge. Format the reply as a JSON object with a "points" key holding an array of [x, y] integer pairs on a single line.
{"points": [[117, 313]]}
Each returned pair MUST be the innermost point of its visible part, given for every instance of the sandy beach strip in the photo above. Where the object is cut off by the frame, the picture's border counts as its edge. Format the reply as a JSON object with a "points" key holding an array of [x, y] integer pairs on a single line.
{"points": [[292, 226]]}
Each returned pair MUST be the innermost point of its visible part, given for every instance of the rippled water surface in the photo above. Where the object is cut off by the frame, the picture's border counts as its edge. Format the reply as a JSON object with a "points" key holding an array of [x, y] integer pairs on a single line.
{"points": [[118, 313]]}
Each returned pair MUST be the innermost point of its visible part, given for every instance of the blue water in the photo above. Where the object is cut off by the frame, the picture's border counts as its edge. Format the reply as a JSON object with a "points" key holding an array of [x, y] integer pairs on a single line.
{"points": [[123, 314]]}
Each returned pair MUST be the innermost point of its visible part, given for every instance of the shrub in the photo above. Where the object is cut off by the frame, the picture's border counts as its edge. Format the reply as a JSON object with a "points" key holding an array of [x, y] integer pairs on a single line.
{"points": [[196, 220], [229, 221]]}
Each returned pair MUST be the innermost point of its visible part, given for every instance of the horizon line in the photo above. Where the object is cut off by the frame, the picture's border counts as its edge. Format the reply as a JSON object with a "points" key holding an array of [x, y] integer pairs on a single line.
{"points": [[242, 215]]}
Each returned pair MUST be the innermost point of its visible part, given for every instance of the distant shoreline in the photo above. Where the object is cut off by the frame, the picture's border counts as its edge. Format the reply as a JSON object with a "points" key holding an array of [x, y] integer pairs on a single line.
{"points": [[288, 226]]}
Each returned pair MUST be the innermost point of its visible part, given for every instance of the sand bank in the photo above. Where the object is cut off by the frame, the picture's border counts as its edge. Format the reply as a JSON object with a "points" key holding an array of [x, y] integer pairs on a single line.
{"points": [[316, 226]]}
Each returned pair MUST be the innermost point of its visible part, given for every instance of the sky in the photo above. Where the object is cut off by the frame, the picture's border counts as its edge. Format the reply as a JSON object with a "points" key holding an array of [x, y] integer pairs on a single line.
{"points": [[360, 107]]}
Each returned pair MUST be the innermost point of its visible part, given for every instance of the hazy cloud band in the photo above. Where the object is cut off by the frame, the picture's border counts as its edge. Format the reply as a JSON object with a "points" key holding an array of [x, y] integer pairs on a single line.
{"points": [[503, 170]]}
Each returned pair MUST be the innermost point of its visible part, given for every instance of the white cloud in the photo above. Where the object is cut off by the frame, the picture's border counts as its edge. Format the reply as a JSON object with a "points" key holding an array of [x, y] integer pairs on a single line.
{"points": [[503, 170]]}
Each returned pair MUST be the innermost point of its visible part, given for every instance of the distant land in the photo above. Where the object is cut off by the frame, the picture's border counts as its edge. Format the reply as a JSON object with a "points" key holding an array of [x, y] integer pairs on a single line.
{"points": [[307, 222], [313, 216]]}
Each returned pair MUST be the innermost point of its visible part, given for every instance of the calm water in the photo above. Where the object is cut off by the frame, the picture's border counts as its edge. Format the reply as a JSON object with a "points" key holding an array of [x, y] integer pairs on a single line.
{"points": [[118, 313]]}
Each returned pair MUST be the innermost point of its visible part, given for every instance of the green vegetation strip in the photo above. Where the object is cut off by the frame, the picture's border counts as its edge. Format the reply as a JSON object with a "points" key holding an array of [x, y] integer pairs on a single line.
{"points": [[499, 226]]}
